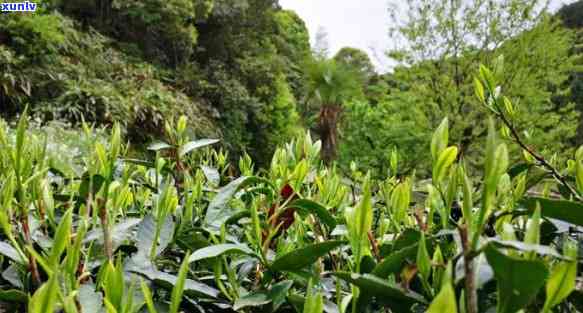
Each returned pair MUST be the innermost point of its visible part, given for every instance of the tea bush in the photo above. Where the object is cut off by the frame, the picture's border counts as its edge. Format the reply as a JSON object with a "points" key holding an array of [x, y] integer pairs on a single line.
{"points": [[179, 231]]}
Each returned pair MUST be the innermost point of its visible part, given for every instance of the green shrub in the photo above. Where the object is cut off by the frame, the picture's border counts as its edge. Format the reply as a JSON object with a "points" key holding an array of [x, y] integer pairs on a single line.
{"points": [[87, 78], [371, 132], [36, 36]]}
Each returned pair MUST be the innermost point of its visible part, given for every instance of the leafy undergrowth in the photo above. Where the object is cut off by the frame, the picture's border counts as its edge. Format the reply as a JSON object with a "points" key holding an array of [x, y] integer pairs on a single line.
{"points": [[179, 232], [68, 73]]}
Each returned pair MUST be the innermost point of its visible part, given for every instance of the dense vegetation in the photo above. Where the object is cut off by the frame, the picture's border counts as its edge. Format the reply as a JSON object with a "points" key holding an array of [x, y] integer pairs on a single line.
{"points": [[453, 183], [233, 69]]}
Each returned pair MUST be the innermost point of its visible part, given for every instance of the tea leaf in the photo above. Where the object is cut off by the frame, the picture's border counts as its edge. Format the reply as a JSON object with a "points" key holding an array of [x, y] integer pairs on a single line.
{"points": [[211, 174], [253, 299], [312, 207], [560, 284], [146, 236], [518, 280], [61, 238], [178, 289], [423, 260], [7, 250], [113, 284], [89, 299], [218, 210], [445, 301], [565, 210], [157, 146], [305, 256], [197, 144], [395, 297], [440, 139], [218, 250], [314, 301], [532, 235], [45, 298], [16, 296], [148, 297], [394, 261], [168, 281], [445, 160]]}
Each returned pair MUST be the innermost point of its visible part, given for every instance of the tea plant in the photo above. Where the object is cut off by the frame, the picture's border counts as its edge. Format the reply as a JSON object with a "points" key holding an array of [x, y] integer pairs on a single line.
{"points": [[180, 232]]}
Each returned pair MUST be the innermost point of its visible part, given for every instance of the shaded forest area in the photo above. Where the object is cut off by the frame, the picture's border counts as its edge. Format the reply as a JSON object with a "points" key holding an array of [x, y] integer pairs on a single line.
{"points": [[233, 69]]}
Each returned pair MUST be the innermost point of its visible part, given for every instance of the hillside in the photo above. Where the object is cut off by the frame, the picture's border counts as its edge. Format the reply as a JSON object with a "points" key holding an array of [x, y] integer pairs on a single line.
{"points": [[232, 69]]}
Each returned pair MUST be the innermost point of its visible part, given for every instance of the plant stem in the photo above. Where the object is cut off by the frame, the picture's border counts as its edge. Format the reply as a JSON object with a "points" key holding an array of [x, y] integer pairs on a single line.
{"points": [[31, 260], [107, 241], [471, 291], [374, 244], [338, 293]]}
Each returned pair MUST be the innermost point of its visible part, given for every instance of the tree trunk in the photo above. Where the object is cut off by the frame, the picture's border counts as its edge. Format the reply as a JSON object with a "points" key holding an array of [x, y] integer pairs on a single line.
{"points": [[328, 130]]}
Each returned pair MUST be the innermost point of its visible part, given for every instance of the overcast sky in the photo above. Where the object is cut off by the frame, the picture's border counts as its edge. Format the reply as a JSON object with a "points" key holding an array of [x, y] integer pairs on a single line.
{"points": [[355, 23], [361, 24]]}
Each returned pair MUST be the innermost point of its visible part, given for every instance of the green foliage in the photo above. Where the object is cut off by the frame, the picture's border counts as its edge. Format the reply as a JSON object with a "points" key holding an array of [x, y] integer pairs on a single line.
{"points": [[370, 133], [290, 231], [279, 121], [139, 63], [14, 86], [356, 59], [38, 37], [359, 223], [293, 39], [87, 79], [314, 302], [331, 82], [562, 279], [171, 21], [331, 85], [445, 41], [445, 301], [570, 13]]}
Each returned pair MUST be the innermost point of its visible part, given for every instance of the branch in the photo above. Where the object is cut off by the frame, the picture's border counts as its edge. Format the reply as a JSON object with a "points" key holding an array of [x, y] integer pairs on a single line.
{"points": [[539, 158]]}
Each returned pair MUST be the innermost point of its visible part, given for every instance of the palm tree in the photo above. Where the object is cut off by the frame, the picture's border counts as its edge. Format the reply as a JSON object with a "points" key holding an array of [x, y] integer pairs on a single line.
{"points": [[330, 85]]}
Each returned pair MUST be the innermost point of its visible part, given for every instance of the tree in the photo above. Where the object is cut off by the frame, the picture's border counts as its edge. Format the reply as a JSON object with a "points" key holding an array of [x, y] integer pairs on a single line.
{"points": [[330, 85], [234, 67], [372, 132], [295, 39], [292, 41], [445, 41], [571, 16], [356, 59]]}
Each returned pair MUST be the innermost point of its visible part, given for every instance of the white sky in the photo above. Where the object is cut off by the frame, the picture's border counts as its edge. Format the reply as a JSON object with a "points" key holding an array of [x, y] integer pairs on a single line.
{"points": [[349, 23], [361, 24]]}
